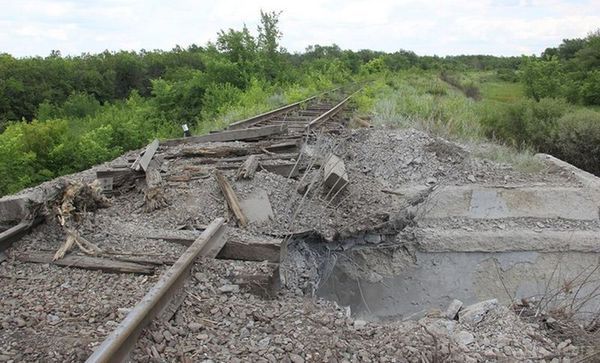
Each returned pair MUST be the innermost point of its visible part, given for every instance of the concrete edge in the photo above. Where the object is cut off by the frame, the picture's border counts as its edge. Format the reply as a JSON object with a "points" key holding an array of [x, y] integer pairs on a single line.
{"points": [[589, 180], [436, 240]]}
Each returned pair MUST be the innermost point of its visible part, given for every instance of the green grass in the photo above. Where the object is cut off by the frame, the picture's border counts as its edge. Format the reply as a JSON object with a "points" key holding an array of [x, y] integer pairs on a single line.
{"points": [[420, 100], [502, 91], [521, 160]]}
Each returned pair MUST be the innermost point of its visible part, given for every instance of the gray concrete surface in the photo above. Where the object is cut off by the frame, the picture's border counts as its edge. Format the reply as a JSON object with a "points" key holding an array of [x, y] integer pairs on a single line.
{"points": [[460, 240], [435, 279], [257, 207], [482, 202]]}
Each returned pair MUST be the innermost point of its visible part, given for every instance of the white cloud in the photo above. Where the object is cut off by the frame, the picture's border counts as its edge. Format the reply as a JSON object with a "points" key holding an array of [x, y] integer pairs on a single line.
{"points": [[501, 27]]}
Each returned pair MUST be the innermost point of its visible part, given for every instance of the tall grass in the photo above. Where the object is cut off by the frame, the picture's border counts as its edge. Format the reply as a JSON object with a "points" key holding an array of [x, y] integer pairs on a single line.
{"points": [[420, 100]]}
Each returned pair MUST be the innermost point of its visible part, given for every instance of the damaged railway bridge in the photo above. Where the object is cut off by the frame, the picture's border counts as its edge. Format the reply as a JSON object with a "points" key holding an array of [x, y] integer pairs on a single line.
{"points": [[384, 224]]}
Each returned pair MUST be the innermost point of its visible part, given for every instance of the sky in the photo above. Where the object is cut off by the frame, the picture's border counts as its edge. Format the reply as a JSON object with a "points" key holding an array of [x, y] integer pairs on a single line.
{"points": [[450, 27]]}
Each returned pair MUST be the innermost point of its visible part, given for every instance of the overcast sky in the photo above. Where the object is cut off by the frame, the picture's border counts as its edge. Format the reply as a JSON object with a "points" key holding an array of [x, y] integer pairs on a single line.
{"points": [[499, 27]]}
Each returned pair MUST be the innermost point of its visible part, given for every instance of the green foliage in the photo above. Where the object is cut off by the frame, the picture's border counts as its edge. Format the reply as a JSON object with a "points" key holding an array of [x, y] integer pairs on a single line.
{"points": [[542, 78], [577, 139], [468, 86], [507, 75], [525, 122], [590, 89], [569, 71], [374, 66], [61, 114]]}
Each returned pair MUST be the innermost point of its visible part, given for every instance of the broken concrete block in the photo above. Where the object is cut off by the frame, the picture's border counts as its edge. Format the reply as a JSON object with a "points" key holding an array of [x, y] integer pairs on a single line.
{"points": [[464, 338], [335, 176], [440, 327], [257, 207], [453, 309], [373, 238], [474, 314]]}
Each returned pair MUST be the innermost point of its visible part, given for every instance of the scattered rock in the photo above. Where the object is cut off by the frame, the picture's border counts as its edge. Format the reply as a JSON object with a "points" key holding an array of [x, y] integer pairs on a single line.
{"points": [[227, 289], [295, 358], [358, 324], [373, 238], [431, 181], [463, 337], [475, 313], [453, 309], [194, 327]]}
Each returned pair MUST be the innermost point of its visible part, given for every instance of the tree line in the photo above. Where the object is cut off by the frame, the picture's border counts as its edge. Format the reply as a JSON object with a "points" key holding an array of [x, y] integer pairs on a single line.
{"points": [[61, 114]]}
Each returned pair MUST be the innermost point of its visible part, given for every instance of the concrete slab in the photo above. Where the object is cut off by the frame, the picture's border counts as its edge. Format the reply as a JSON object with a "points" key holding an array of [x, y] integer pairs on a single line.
{"points": [[458, 240], [588, 180], [334, 174], [479, 202], [410, 290], [257, 207]]}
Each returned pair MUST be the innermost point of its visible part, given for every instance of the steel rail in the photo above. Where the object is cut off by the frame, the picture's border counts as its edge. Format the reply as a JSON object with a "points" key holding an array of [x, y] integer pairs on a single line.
{"points": [[270, 114], [119, 344], [332, 112]]}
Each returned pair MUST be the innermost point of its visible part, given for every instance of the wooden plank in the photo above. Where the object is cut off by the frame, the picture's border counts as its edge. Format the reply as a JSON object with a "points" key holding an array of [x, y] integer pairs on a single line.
{"points": [[265, 249], [14, 233], [238, 150], [154, 196], [142, 162], [286, 169], [248, 168], [231, 198], [256, 249], [241, 134], [87, 263], [243, 158], [231, 135]]}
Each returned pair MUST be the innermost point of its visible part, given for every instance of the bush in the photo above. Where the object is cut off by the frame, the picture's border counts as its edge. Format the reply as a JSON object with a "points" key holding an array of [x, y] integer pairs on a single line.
{"points": [[507, 75], [524, 123], [577, 140], [590, 90]]}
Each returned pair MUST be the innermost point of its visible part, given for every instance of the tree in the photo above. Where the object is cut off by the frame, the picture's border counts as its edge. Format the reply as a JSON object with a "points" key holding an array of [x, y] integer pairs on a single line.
{"points": [[542, 78], [268, 44]]}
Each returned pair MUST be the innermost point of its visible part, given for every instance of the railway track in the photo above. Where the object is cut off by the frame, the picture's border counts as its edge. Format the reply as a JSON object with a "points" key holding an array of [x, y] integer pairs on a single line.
{"points": [[300, 117], [117, 346], [298, 120]]}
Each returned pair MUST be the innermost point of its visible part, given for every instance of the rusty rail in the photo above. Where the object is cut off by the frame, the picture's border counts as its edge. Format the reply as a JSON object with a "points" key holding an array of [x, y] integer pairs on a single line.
{"points": [[270, 114], [119, 344], [332, 112]]}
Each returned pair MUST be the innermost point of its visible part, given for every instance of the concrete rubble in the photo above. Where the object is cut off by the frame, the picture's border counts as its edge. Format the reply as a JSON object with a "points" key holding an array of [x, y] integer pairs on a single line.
{"points": [[424, 243]]}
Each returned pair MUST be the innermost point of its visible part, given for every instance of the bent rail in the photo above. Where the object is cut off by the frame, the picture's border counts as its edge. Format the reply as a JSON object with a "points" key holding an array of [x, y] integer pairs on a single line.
{"points": [[332, 112]]}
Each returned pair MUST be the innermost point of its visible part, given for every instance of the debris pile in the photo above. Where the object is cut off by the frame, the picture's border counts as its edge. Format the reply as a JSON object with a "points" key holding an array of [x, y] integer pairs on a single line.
{"points": [[295, 201], [220, 322]]}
